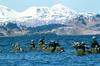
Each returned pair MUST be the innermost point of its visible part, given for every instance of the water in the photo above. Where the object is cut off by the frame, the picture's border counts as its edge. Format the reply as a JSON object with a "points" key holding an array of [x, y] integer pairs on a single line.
{"points": [[36, 58]]}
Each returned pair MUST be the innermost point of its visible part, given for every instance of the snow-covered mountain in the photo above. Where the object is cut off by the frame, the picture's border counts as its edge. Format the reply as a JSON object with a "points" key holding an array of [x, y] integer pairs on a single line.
{"points": [[7, 14], [46, 13], [20, 23]]}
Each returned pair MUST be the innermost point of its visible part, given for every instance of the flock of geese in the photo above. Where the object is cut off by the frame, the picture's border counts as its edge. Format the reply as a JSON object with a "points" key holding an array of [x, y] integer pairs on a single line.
{"points": [[82, 49], [53, 46]]}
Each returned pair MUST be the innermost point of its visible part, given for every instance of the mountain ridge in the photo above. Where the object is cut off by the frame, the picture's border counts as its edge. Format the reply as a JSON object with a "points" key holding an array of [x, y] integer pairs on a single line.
{"points": [[76, 23]]}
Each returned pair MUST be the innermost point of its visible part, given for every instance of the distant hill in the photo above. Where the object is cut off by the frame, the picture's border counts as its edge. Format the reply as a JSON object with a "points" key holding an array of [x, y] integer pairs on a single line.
{"points": [[57, 19]]}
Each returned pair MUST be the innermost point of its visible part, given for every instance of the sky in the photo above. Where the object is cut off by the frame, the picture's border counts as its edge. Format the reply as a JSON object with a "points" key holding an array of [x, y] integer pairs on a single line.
{"points": [[77, 5]]}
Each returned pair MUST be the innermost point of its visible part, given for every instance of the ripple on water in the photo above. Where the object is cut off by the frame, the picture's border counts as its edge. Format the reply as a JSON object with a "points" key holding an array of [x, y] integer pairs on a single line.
{"points": [[36, 58]]}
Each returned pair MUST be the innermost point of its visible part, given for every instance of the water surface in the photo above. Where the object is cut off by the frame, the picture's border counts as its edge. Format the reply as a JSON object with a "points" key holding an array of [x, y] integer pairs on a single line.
{"points": [[36, 58]]}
